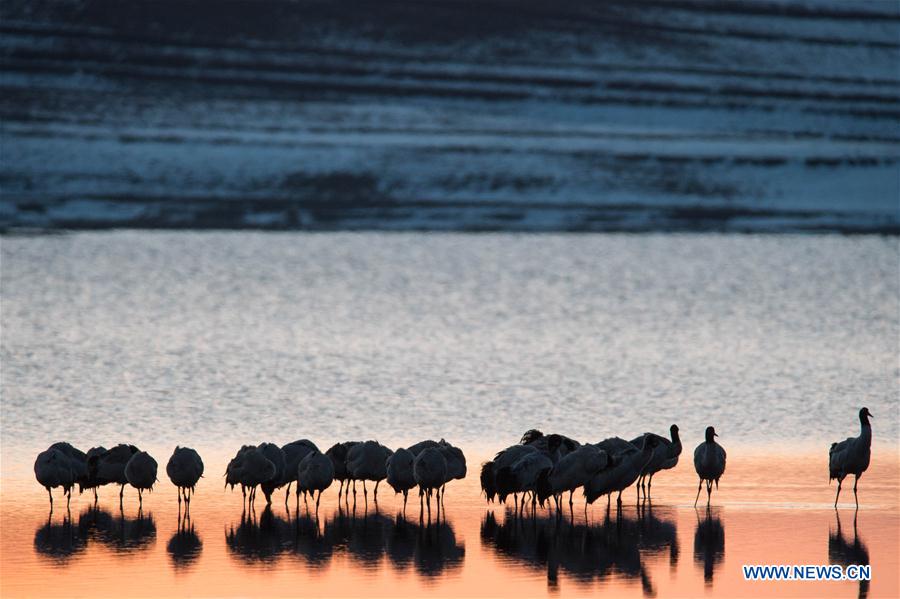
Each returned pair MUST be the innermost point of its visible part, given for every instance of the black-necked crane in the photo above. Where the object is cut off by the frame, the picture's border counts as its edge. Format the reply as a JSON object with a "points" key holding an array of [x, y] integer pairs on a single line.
{"points": [[293, 453], [141, 473], [851, 456], [625, 462], [572, 471], [665, 457], [456, 464], [709, 462], [456, 460], [91, 482], [77, 458], [525, 475], [314, 473], [184, 470], [275, 455], [338, 454], [249, 468], [430, 472], [504, 458], [52, 469], [109, 467], [400, 475], [368, 461]]}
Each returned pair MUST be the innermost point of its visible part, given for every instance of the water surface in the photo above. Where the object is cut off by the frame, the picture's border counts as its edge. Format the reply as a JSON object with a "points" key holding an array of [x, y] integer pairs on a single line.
{"points": [[660, 548], [217, 339]]}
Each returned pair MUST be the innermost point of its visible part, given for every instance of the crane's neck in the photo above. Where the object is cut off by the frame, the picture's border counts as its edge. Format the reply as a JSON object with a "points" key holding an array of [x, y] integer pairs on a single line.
{"points": [[865, 430], [676, 439]]}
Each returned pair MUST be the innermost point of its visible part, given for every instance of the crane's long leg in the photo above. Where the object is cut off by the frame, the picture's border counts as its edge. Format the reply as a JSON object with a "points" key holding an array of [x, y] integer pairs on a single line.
{"points": [[708, 493], [840, 481], [649, 484], [51, 499], [376, 490], [855, 498], [699, 487]]}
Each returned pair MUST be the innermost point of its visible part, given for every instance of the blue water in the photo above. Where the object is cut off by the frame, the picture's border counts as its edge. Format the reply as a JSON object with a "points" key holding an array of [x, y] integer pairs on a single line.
{"points": [[623, 116]]}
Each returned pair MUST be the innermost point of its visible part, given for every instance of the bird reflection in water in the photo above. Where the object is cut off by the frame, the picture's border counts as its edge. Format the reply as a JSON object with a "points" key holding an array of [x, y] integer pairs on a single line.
{"points": [[709, 544], [846, 553], [585, 552], [257, 539], [369, 539], [59, 542], [185, 545], [120, 533]]}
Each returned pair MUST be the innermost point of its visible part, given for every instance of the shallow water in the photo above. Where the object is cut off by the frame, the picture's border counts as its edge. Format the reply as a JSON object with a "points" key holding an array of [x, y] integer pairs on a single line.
{"points": [[664, 548], [213, 340]]}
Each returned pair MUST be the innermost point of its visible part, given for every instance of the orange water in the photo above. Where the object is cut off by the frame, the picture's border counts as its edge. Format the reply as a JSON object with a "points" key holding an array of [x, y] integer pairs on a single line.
{"points": [[767, 510]]}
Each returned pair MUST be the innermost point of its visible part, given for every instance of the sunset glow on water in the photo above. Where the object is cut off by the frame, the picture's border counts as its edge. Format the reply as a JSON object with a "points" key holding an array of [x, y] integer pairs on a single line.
{"points": [[665, 548], [216, 340], [489, 245]]}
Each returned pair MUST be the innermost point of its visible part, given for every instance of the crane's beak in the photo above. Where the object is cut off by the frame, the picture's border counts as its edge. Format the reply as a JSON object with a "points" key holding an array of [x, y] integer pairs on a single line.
{"points": [[715, 434]]}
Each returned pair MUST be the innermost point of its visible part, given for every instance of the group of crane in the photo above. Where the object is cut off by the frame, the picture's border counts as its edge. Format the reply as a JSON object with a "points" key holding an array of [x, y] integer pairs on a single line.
{"points": [[540, 466], [429, 465], [546, 466], [62, 465]]}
